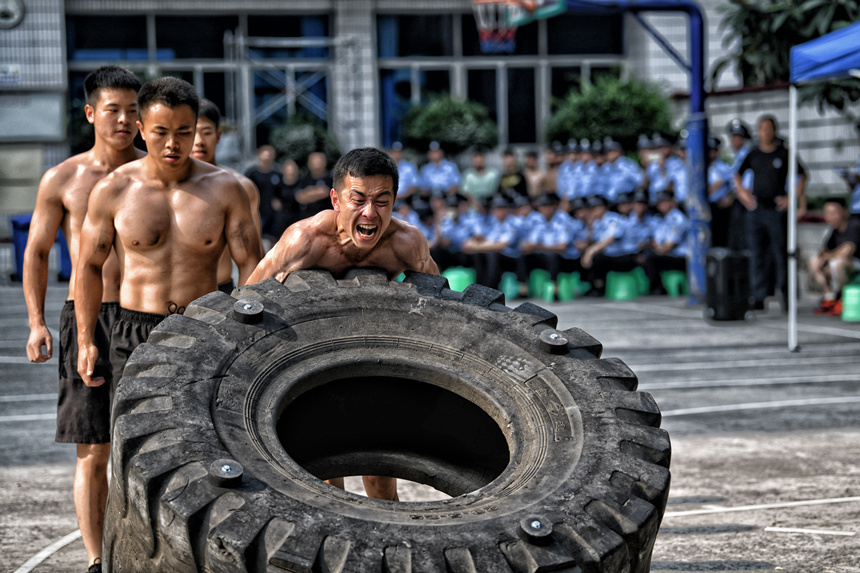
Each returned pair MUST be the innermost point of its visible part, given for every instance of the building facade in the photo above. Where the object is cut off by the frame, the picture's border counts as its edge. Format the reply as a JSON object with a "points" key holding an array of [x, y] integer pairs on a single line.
{"points": [[355, 65]]}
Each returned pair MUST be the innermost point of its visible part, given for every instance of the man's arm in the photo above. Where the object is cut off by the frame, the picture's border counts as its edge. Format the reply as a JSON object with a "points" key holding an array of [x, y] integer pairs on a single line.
{"points": [[744, 196], [292, 252], [412, 250], [47, 217], [97, 236], [242, 233]]}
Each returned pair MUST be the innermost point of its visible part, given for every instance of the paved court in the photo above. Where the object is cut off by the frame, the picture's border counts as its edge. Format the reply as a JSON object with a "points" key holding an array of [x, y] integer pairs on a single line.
{"points": [[766, 443]]}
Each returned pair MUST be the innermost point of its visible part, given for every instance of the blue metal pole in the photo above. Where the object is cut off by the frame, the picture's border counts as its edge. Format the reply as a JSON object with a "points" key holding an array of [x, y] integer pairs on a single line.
{"points": [[697, 127]]}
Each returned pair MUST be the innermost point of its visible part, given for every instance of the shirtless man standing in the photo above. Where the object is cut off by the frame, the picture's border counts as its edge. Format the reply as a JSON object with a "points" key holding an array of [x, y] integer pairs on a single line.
{"points": [[206, 139], [358, 232], [169, 217], [83, 413]]}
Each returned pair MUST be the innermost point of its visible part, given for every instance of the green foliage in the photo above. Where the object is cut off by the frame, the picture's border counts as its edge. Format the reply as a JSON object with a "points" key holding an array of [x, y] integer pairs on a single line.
{"points": [[764, 31], [81, 133], [301, 136], [456, 125], [613, 107]]}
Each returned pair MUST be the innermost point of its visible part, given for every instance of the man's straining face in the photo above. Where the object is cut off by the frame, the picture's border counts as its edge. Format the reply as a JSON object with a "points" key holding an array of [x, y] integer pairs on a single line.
{"points": [[168, 133], [206, 139], [364, 206]]}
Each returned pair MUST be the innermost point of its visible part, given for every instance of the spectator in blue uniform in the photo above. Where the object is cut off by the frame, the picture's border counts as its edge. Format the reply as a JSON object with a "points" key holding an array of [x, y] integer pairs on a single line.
{"points": [[720, 195], [669, 246], [659, 171], [622, 173], [740, 137], [548, 236], [569, 172], [678, 173], [439, 174], [455, 227], [407, 172], [607, 229], [493, 245]]}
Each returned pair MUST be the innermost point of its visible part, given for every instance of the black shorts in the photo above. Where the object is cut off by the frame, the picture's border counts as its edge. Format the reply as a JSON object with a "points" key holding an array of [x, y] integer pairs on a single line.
{"points": [[227, 287], [130, 330], [83, 413]]}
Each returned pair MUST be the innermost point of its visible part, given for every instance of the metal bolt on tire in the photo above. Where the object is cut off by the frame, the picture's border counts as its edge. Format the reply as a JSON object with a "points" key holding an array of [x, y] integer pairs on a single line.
{"points": [[230, 417]]}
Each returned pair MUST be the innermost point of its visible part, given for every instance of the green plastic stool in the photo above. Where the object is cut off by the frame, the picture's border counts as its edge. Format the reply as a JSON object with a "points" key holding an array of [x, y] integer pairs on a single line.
{"points": [[537, 279], [400, 277], [568, 286], [642, 283], [851, 303], [548, 294], [459, 278], [621, 286], [510, 286], [675, 282]]}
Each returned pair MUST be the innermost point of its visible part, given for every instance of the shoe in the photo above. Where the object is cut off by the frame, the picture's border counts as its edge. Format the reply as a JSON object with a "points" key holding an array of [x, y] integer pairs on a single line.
{"points": [[826, 306], [95, 567], [836, 309]]}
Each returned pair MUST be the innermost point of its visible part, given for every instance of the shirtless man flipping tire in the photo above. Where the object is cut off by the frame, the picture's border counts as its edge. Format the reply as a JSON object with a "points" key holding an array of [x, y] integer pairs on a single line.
{"points": [[83, 413], [206, 139], [358, 232], [169, 217]]}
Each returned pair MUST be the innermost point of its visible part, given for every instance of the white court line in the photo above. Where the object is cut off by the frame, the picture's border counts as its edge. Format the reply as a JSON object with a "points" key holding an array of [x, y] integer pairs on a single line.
{"points": [[655, 309], [34, 561], [819, 330], [726, 364], [761, 406], [27, 397], [28, 417], [810, 531], [750, 382], [764, 506]]}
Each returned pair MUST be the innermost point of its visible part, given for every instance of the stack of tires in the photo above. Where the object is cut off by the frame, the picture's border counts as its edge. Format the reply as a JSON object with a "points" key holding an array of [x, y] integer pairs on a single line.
{"points": [[230, 417]]}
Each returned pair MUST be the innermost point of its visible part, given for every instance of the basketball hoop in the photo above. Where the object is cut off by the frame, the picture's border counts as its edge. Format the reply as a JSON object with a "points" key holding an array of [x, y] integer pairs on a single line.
{"points": [[494, 19]]}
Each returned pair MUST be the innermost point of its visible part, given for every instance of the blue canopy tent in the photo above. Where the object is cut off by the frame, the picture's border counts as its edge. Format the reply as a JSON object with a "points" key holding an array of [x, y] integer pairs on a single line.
{"points": [[835, 55]]}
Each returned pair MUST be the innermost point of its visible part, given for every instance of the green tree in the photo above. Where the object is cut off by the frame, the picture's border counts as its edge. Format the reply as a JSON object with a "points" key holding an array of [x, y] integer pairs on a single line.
{"points": [[764, 31], [456, 125], [621, 109], [299, 137]]}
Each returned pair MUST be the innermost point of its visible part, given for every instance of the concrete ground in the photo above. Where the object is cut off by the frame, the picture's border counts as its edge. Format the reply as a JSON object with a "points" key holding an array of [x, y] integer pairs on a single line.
{"points": [[766, 442]]}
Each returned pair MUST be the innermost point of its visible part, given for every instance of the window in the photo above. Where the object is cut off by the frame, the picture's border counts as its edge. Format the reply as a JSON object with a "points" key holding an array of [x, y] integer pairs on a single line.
{"points": [[585, 34], [482, 89], [106, 37], [521, 105], [295, 27], [192, 36], [401, 36], [564, 79]]}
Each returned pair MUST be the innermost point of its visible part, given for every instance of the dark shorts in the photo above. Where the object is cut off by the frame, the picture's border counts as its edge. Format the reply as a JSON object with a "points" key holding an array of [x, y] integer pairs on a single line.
{"points": [[83, 413], [227, 287], [130, 330]]}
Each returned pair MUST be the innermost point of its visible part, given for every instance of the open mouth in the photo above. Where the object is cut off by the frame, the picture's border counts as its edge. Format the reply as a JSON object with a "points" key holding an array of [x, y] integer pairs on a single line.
{"points": [[367, 231]]}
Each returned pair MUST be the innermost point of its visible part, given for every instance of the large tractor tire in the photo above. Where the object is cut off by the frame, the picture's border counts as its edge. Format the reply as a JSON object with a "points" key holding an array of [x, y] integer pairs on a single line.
{"points": [[231, 416]]}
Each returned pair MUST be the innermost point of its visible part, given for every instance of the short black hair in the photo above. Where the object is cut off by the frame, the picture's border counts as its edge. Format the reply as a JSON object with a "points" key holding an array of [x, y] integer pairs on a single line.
{"points": [[365, 162], [838, 200], [771, 119], [210, 111], [168, 91], [108, 77]]}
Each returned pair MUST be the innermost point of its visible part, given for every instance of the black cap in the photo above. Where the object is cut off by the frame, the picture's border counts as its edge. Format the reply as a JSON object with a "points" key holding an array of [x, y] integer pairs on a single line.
{"points": [[624, 197], [577, 203], [657, 140], [610, 144], [397, 146], [573, 146], [546, 198], [596, 201], [584, 145], [597, 148], [521, 201], [557, 147], [737, 127], [498, 201], [434, 145], [644, 142], [714, 142], [456, 199], [641, 196], [665, 196]]}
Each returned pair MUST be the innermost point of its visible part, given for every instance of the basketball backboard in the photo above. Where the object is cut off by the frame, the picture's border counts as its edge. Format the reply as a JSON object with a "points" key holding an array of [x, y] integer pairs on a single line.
{"points": [[520, 15]]}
